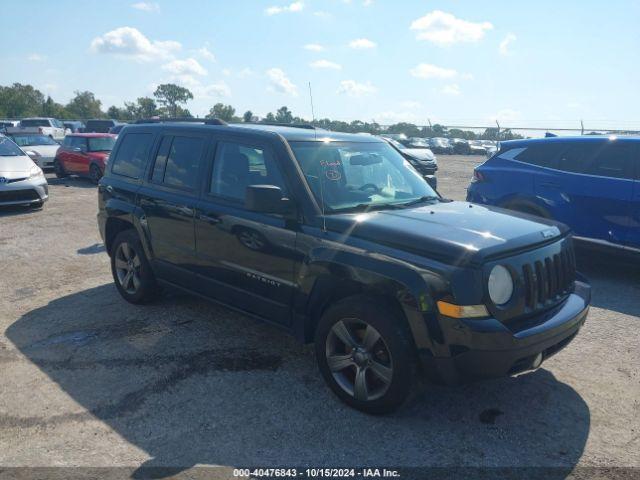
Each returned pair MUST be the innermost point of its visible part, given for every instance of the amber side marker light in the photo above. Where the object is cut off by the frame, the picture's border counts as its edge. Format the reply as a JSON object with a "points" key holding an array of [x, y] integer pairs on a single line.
{"points": [[462, 311]]}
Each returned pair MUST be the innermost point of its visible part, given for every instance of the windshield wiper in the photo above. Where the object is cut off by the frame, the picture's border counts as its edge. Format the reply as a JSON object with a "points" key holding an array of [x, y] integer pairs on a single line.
{"points": [[425, 198]]}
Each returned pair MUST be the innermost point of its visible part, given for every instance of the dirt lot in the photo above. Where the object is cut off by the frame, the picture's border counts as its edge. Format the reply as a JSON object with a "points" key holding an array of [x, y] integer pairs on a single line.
{"points": [[89, 380]]}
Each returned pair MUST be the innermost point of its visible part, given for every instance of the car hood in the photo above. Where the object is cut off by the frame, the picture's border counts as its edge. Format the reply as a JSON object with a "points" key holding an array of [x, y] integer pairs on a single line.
{"points": [[15, 167], [420, 153], [455, 233]]}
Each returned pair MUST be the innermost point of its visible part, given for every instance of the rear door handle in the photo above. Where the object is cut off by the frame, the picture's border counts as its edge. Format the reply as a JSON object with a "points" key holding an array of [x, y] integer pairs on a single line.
{"points": [[109, 188]]}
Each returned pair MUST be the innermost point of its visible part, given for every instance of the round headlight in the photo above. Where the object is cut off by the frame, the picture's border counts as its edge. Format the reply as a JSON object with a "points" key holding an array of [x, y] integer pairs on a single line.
{"points": [[500, 285]]}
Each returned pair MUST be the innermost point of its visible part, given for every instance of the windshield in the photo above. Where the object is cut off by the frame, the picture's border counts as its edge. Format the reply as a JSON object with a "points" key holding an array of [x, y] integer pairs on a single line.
{"points": [[101, 144], [30, 140], [8, 148], [35, 122], [350, 175]]}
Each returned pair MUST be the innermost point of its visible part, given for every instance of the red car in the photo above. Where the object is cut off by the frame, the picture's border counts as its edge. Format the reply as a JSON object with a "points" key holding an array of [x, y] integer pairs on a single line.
{"points": [[84, 154]]}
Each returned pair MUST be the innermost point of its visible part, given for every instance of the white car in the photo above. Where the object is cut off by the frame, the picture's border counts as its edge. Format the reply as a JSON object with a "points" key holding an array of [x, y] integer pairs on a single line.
{"points": [[51, 127], [41, 148], [22, 182]]}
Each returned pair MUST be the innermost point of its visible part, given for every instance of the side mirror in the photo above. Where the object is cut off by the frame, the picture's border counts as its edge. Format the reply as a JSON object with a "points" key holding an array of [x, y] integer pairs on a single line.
{"points": [[267, 199]]}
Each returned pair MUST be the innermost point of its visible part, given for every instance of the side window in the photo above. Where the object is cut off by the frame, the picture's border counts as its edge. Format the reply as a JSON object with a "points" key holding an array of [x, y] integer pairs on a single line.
{"points": [[237, 166], [67, 141], [161, 160], [132, 155], [614, 161], [542, 154], [577, 157], [183, 162]]}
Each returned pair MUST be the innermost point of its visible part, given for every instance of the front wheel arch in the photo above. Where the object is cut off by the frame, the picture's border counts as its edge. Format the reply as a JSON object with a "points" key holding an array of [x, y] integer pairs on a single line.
{"points": [[529, 208]]}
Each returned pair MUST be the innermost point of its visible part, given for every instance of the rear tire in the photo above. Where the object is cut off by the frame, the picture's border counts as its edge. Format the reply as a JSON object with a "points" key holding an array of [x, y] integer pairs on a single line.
{"points": [[130, 268], [59, 169], [366, 354]]}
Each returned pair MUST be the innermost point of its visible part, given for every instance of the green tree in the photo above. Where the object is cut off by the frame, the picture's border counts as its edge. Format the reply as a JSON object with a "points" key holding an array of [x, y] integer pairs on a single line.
{"points": [[19, 101], [222, 112], [53, 109], [84, 105], [270, 118], [247, 116], [171, 97], [284, 115], [118, 113]]}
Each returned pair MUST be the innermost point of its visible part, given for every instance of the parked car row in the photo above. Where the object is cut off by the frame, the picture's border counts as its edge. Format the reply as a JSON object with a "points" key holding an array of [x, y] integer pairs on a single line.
{"points": [[57, 129]]}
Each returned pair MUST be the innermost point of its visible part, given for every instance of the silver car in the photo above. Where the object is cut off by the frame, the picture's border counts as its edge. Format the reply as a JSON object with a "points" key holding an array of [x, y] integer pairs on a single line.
{"points": [[22, 182], [41, 148]]}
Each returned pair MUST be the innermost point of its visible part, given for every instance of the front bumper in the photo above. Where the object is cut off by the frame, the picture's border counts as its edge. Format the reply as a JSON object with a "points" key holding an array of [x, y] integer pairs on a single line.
{"points": [[488, 348], [24, 192]]}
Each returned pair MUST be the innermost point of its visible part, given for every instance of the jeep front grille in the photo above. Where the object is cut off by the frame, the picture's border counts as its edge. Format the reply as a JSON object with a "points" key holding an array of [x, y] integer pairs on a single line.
{"points": [[549, 279]]}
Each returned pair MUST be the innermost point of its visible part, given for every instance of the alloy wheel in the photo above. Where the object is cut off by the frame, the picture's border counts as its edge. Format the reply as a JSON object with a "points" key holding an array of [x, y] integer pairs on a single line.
{"points": [[359, 359], [127, 264]]}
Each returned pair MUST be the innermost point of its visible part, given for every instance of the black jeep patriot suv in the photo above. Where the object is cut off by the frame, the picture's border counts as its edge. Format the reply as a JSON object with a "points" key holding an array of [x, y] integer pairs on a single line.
{"points": [[337, 239]]}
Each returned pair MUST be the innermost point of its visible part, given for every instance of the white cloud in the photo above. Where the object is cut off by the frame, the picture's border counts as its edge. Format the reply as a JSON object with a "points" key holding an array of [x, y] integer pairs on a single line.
{"points": [[367, 3], [443, 29], [325, 64], [426, 70], [314, 47], [362, 43], [36, 57], [506, 115], [452, 89], [190, 66], [245, 72], [199, 89], [207, 54], [390, 117], [146, 6], [130, 42], [355, 89], [291, 8], [411, 104], [504, 44], [219, 89], [280, 82]]}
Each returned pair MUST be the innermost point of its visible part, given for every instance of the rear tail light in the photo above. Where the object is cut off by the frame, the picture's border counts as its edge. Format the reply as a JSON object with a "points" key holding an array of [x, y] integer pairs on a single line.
{"points": [[478, 176]]}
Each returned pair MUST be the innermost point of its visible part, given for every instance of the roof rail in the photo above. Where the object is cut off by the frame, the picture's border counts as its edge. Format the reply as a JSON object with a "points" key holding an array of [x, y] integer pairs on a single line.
{"points": [[206, 121], [306, 126]]}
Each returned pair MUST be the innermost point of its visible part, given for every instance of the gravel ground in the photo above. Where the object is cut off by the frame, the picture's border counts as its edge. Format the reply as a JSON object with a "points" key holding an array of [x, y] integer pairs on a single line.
{"points": [[87, 379]]}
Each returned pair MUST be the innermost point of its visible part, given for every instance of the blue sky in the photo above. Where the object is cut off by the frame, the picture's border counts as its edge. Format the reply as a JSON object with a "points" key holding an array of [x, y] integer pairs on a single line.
{"points": [[531, 63]]}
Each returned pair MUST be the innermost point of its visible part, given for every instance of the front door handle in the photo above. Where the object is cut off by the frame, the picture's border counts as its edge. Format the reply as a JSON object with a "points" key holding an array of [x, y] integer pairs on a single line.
{"points": [[208, 219], [109, 188]]}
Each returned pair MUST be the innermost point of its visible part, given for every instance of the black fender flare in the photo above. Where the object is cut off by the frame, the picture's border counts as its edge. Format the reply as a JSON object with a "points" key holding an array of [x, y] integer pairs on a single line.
{"points": [[326, 270]]}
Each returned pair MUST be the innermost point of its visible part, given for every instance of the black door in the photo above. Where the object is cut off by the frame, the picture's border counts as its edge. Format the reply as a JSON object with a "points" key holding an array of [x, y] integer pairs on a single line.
{"points": [[245, 259], [168, 199]]}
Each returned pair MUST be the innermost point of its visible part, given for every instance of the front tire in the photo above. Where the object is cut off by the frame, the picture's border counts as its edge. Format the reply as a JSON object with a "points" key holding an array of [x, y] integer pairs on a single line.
{"points": [[95, 174], [365, 354], [131, 271], [59, 169]]}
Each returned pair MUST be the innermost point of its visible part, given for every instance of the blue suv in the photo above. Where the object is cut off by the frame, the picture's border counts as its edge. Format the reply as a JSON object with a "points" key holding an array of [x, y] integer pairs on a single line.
{"points": [[591, 183]]}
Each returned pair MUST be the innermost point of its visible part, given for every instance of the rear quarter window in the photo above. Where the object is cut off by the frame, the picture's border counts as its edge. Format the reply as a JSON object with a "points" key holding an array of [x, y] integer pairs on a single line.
{"points": [[542, 155], [131, 157]]}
